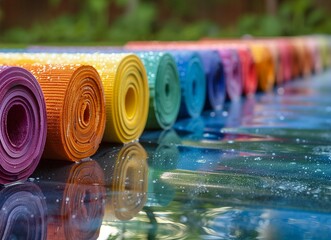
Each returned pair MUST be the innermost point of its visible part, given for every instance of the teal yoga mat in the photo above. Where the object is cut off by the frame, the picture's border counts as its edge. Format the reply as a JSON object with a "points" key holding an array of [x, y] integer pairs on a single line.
{"points": [[164, 87]]}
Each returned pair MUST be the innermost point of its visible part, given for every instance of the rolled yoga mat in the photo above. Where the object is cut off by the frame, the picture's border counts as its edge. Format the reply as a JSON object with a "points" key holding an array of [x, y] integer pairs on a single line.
{"points": [[324, 48], [23, 124], [277, 59], [23, 212], [164, 89], [285, 58], [126, 179], [211, 62], [249, 73], [75, 110], [265, 66], [308, 59], [296, 60], [125, 86], [234, 82], [215, 77], [315, 53], [192, 82], [303, 57], [75, 197]]}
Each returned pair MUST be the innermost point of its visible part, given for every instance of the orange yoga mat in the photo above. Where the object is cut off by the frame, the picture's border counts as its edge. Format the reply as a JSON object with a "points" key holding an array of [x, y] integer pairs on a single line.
{"points": [[269, 50], [296, 60], [304, 58], [276, 56], [125, 86], [75, 108]]}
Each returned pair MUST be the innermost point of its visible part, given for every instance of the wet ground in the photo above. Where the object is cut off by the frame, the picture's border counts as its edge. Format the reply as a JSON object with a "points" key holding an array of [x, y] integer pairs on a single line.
{"points": [[259, 169]]}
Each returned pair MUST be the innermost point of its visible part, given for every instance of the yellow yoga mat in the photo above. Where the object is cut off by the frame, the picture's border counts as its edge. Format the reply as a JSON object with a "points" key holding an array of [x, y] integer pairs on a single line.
{"points": [[265, 66], [125, 85]]}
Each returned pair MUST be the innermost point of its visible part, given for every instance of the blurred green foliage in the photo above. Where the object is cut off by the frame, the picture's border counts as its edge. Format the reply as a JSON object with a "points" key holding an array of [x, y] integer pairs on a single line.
{"points": [[139, 20], [135, 23], [298, 17]]}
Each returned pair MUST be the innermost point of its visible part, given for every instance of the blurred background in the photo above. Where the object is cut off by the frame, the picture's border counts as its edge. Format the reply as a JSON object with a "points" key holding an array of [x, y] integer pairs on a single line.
{"points": [[118, 21]]}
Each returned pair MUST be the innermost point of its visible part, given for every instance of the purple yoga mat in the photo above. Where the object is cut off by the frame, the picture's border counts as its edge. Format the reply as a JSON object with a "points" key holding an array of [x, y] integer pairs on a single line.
{"points": [[22, 122], [233, 74]]}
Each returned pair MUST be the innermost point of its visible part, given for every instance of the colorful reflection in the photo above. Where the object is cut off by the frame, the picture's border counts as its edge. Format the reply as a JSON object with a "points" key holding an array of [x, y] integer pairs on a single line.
{"points": [[23, 213], [75, 197], [126, 173]]}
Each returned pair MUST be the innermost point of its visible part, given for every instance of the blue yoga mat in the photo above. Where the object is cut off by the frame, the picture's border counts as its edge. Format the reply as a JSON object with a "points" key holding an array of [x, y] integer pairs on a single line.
{"points": [[215, 77], [192, 83]]}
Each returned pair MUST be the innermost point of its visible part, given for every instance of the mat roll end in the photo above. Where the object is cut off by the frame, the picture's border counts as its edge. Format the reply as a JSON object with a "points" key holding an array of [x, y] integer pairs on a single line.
{"points": [[164, 86], [75, 108], [127, 97], [23, 124], [193, 83]]}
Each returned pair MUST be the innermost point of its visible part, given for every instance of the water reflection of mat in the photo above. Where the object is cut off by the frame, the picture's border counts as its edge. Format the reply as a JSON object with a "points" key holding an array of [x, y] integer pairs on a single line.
{"points": [[75, 199], [126, 173], [23, 213], [162, 157]]}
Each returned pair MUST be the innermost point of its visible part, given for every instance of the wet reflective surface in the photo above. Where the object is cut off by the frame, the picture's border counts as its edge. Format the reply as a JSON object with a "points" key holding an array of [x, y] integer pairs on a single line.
{"points": [[259, 169]]}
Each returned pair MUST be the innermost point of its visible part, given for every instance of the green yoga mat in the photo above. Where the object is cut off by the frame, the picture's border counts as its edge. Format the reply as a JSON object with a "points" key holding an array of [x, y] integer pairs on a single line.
{"points": [[164, 87]]}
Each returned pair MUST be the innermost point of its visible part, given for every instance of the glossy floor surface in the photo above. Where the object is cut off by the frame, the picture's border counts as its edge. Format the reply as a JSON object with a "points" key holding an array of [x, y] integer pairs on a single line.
{"points": [[259, 169]]}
